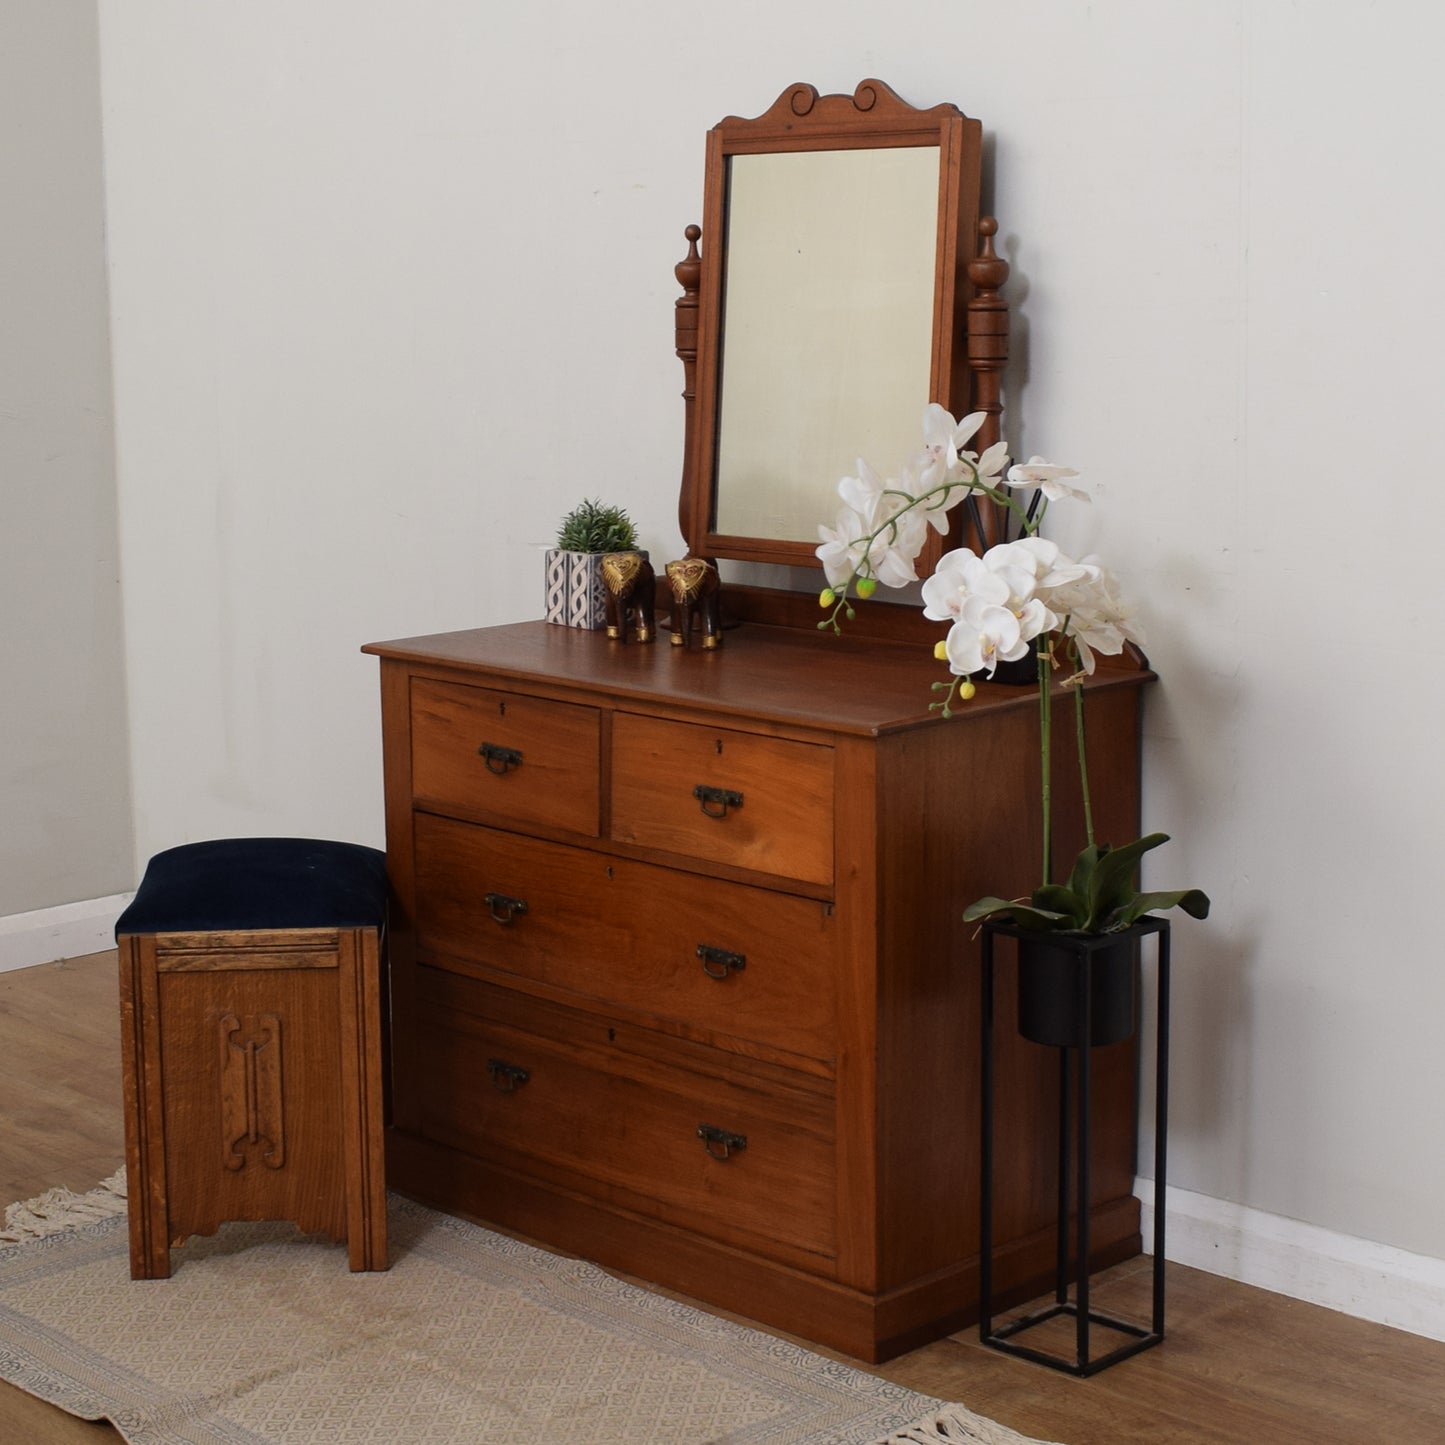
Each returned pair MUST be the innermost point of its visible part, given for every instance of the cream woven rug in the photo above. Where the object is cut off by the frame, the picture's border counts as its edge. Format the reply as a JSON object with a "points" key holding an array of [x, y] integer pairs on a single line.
{"points": [[265, 1338]]}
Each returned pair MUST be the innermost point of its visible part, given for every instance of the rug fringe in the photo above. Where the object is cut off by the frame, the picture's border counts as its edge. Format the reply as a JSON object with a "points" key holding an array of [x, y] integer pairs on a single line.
{"points": [[60, 1209], [953, 1425]]}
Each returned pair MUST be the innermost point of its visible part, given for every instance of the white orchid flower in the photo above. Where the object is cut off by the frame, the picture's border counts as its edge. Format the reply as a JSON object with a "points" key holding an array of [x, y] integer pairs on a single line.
{"points": [[990, 464], [983, 636], [1098, 619], [1033, 565], [959, 575], [894, 551], [843, 546], [912, 479], [863, 492], [943, 441], [1009, 576], [889, 557], [1048, 477]]}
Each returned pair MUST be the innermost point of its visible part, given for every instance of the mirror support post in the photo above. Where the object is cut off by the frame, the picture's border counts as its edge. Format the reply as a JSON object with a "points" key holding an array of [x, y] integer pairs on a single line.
{"points": [[689, 276], [987, 357]]}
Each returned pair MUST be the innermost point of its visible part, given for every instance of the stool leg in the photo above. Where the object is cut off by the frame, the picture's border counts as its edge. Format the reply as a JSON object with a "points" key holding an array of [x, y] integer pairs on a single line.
{"points": [[360, 1009], [145, 1146]]}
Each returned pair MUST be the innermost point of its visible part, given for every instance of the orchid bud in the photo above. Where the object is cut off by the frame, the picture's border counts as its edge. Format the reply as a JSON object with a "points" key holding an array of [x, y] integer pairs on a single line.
{"points": [[867, 586], [827, 597], [966, 689], [940, 650]]}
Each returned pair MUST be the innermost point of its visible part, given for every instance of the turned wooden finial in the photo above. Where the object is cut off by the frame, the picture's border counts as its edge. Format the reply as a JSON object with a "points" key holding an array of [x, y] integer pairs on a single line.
{"points": [[689, 270], [689, 276], [988, 271]]}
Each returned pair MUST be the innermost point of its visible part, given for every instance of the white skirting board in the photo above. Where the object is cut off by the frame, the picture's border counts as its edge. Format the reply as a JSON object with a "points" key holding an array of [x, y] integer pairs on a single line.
{"points": [[69, 931], [1355, 1276]]}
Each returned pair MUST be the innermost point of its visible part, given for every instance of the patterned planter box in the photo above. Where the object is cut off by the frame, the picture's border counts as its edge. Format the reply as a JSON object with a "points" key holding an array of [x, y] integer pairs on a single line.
{"points": [[576, 595]]}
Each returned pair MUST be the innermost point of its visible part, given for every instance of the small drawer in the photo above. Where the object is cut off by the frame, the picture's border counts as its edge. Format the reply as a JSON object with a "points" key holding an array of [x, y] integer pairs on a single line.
{"points": [[524, 760], [722, 1156], [754, 801], [726, 963]]}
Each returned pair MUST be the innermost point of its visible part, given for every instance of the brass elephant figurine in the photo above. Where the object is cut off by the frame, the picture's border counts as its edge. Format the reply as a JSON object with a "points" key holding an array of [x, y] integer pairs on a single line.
{"points": [[696, 595], [631, 595]]}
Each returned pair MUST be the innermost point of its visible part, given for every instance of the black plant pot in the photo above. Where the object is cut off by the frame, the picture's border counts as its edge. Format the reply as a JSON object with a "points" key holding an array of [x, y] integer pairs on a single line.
{"points": [[1049, 966]]}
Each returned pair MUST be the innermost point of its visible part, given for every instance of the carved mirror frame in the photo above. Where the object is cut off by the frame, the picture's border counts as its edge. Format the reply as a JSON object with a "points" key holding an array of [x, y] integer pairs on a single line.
{"points": [[801, 120]]}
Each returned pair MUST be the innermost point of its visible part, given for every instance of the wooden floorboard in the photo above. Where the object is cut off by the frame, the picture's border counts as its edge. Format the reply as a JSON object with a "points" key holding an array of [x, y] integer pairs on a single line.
{"points": [[1239, 1364]]}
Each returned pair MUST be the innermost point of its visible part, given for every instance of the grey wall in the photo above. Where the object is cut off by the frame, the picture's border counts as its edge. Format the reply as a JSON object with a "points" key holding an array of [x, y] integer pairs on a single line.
{"points": [[65, 824]]}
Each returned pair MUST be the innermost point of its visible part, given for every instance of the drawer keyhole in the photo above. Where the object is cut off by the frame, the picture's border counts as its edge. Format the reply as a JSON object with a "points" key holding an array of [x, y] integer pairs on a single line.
{"points": [[719, 1143], [718, 962], [716, 801]]}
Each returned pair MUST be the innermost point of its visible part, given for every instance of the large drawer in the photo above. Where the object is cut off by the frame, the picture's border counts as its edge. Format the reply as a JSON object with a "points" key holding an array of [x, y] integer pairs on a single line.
{"points": [[728, 963], [577, 1102], [520, 759], [748, 799]]}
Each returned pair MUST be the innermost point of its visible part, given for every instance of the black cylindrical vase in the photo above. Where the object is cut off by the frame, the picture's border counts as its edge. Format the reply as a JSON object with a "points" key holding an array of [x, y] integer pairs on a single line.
{"points": [[1048, 1006]]}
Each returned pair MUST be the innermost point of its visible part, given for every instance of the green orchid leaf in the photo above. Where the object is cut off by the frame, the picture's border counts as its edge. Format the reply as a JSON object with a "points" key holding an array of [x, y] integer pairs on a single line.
{"points": [[986, 908], [1084, 866], [1112, 884], [1023, 914], [1053, 898], [1192, 900]]}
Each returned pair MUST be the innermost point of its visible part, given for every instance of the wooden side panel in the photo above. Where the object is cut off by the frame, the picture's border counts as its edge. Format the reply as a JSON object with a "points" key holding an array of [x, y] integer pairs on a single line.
{"points": [[964, 821], [272, 1036], [252, 1085]]}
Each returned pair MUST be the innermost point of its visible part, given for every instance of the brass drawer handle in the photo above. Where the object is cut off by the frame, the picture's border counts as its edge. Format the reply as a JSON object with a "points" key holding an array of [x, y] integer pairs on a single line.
{"points": [[494, 754], [716, 801], [715, 1139], [507, 1077], [716, 962], [504, 909]]}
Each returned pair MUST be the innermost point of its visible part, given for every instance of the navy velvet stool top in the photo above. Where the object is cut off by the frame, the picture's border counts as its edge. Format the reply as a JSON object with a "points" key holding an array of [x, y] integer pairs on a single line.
{"points": [[249, 883]]}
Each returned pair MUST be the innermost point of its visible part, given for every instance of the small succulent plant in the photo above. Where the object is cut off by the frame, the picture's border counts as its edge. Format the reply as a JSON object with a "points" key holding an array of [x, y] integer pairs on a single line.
{"points": [[596, 527]]}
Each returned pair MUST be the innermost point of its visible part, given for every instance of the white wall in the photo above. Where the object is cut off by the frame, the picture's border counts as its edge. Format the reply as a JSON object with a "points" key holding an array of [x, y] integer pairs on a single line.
{"points": [[392, 288], [65, 826]]}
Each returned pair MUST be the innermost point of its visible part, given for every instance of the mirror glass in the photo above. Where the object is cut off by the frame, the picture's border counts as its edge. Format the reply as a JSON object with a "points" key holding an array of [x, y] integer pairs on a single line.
{"points": [[827, 324]]}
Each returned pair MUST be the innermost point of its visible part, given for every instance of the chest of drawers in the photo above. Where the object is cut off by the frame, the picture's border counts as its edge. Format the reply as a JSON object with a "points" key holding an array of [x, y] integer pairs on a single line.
{"points": [[679, 980]]}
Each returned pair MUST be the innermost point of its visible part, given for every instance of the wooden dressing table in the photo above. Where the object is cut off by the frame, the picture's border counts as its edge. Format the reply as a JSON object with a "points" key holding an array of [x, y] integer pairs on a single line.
{"points": [[679, 980]]}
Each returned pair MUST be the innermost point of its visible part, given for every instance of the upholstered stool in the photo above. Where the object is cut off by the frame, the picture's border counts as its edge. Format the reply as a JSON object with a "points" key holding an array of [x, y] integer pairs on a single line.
{"points": [[250, 996]]}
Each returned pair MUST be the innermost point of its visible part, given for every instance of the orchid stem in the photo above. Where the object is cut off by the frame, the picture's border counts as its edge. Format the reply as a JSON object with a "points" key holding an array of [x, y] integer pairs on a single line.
{"points": [[1083, 760], [1045, 731]]}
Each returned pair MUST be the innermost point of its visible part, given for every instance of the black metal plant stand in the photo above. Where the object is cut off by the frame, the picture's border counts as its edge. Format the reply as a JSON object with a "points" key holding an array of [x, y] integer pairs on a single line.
{"points": [[1142, 1338]]}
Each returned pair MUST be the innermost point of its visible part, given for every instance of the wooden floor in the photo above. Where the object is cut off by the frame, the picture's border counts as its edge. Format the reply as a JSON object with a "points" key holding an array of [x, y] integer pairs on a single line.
{"points": [[1239, 1364]]}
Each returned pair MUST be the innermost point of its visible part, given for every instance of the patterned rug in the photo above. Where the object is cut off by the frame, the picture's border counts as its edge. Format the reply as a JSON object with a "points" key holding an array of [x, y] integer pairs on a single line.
{"points": [[262, 1337]]}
